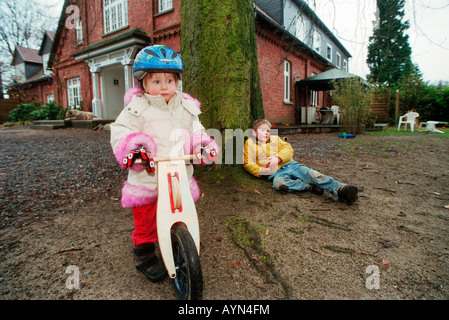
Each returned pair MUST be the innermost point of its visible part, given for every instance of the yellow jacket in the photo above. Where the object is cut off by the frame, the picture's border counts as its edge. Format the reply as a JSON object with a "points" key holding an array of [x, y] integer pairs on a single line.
{"points": [[256, 154]]}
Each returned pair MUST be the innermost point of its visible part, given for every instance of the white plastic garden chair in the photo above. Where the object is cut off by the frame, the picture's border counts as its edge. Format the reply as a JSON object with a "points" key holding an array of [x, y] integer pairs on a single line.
{"points": [[335, 110], [408, 118]]}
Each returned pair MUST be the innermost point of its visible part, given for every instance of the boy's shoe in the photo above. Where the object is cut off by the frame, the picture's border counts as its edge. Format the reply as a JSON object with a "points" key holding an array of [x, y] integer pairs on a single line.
{"points": [[348, 194], [283, 188], [316, 190], [152, 267]]}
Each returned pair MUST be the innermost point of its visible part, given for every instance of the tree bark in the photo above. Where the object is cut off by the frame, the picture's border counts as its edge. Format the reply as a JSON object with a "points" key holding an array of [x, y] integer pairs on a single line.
{"points": [[219, 52]]}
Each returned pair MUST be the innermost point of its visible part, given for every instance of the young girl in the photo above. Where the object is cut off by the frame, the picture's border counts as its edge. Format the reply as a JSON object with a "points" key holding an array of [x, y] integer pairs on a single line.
{"points": [[158, 121]]}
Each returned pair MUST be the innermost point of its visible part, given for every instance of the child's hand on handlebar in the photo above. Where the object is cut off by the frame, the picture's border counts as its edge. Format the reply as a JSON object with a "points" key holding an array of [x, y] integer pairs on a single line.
{"points": [[206, 155], [147, 159]]}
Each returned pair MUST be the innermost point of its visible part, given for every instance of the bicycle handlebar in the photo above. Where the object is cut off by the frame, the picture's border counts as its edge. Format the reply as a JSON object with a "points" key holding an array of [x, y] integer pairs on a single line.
{"points": [[168, 158]]}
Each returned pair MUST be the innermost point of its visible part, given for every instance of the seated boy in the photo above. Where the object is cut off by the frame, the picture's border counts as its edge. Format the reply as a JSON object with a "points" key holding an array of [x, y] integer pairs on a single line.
{"points": [[271, 157]]}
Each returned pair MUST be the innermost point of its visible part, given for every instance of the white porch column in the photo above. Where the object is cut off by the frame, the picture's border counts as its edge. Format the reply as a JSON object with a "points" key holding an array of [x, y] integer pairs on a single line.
{"points": [[129, 78], [96, 101]]}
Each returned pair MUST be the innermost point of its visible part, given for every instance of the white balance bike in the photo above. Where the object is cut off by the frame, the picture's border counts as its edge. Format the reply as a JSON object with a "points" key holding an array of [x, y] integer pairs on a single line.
{"points": [[177, 224]]}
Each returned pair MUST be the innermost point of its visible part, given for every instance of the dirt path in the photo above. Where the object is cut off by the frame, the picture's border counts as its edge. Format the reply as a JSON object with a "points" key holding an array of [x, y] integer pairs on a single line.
{"points": [[60, 211]]}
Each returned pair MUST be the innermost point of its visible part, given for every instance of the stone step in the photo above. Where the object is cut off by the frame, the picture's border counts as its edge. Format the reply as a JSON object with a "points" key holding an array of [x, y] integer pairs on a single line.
{"points": [[48, 124], [46, 127]]}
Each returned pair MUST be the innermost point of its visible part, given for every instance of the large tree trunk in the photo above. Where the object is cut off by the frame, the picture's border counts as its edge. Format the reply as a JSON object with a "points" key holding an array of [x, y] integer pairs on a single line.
{"points": [[219, 51]]}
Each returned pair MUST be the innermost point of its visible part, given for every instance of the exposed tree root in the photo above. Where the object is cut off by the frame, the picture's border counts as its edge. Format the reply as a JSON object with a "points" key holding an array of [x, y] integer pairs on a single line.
{"points": [[247, 239]]}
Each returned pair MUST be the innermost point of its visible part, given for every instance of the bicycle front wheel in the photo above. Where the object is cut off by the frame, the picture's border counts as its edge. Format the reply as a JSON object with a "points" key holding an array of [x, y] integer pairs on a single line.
{"points": [[188, 283]]}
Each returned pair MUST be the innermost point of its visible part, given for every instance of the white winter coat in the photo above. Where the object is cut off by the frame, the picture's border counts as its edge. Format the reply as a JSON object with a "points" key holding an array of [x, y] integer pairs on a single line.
{"points": [[164, 129]]}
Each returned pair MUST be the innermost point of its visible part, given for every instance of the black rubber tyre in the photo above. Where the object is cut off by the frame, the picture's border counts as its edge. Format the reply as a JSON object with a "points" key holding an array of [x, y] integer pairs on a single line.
{"points": [[188, 283]]}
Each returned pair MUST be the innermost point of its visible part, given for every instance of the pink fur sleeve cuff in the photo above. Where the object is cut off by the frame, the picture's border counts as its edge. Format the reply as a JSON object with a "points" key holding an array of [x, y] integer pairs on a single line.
{"points": [[132, 142], [199, 139]]}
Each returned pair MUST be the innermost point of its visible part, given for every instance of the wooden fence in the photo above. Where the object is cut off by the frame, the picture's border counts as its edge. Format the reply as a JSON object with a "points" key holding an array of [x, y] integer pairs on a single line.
{"points": [[380, 107], [6, 105]]}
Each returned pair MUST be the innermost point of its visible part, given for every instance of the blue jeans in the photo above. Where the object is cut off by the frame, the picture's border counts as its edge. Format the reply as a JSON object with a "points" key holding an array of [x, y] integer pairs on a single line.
{"points": [[298, 177]]}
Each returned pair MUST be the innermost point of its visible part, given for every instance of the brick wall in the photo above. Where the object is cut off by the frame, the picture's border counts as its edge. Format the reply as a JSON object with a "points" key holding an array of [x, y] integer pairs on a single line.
{"points": [[70, 70], [40, 90], [272, 52]]}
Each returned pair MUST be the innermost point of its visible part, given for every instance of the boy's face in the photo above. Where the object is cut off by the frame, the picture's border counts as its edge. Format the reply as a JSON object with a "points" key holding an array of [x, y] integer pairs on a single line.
{"points": [[263, 133], [163, 84]]}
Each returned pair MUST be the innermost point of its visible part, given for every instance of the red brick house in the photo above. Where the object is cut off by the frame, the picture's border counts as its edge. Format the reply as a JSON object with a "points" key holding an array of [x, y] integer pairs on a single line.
{"points": [[96, 42], [35, 81]]}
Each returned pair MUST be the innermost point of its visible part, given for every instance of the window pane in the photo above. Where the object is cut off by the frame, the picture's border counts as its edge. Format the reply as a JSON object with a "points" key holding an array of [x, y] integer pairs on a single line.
{"points": [[286, 81], [115, 14]]}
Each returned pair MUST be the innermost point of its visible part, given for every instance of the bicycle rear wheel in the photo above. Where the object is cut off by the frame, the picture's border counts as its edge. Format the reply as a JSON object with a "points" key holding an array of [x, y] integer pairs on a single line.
{"points": [[188, 283]]}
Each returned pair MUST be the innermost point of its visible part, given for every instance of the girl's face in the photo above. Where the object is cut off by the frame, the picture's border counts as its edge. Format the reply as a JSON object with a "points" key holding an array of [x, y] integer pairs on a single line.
{"points": [[163, 84], [263, 133]]}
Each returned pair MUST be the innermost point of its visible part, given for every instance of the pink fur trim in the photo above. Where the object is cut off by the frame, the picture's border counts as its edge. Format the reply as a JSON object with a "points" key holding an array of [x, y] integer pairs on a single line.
{"points": [[132, 142], [189, 97], [130, 93], [200, 139], [137, 196], [194, 189]]}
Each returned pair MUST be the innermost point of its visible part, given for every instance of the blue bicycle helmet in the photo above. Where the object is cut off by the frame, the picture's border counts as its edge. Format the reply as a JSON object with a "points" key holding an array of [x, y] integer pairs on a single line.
{"points": [[157, 58]]}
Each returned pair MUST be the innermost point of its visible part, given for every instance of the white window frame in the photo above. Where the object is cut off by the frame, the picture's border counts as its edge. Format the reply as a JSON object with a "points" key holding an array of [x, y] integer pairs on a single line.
{"points": [[115, 15], [79, 31], [287, 81], [345, 65], [313, 95], [165, 5], [338, 60], [300, 31], [45, 58], [316, 41], [329, 52], [50, 97], [74, 93]]}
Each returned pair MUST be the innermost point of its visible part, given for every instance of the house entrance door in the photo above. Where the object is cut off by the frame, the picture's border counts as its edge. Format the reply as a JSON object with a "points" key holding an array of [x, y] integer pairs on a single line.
{"points": [[113, 90]]}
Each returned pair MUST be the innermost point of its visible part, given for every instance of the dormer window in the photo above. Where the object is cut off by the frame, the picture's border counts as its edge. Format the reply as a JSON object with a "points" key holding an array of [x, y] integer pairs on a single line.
{"points": [[317, 41], [45, 58], [329, 52]]}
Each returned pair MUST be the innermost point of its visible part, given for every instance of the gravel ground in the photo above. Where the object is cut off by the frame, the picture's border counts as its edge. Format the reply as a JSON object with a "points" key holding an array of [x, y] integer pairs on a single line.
{"points": [[41, 168], [59, 207]]}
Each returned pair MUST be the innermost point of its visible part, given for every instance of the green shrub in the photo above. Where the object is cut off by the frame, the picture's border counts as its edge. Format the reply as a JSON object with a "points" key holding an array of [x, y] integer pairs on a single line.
{"points": [[49, 111], [23, 112], [354, 98], [31, 111]]}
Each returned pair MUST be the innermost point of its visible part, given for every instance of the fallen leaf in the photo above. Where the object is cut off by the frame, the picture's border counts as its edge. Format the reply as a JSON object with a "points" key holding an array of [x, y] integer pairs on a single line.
{"points": [[267, 232], [233, 264], [447, 207], [255, 257]]}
